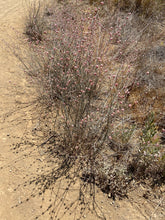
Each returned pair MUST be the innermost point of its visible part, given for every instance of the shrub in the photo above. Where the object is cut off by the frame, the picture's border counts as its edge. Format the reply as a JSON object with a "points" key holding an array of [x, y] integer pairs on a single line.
{"points": [[74, 71], [35, 22], [84, 69]]}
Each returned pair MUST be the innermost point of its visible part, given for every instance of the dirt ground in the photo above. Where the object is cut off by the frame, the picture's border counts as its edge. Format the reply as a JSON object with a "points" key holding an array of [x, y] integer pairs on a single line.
{"points": [[16, 124]]}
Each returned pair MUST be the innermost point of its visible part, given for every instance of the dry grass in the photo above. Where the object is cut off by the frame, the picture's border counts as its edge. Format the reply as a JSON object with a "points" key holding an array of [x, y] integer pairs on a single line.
{"points": [[35, 21], [144, 8]]}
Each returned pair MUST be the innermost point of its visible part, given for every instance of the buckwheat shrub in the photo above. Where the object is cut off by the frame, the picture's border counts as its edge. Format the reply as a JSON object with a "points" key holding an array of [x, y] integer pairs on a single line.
{"points": [[76, 75]]}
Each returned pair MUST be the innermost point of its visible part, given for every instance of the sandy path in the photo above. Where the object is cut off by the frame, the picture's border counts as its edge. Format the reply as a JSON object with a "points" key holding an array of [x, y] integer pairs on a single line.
{"points": [[12, 127]]}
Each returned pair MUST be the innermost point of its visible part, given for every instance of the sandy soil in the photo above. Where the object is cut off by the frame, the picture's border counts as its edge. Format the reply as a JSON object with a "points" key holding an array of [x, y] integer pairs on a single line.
{"points": [[15, 124]]}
